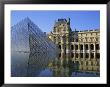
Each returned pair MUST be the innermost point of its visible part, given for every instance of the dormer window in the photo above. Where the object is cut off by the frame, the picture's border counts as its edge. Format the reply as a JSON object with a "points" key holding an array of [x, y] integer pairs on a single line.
{"points": [[64, 29]]}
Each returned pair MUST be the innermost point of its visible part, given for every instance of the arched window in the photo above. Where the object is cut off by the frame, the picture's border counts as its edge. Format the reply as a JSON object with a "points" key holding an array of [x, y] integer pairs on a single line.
{"points": [[72, 47], [76, 47], [81, 55], [87, 55], [92, 47], [92, 55], [97, 47], [81, 47], [76, 55], [98, 55], [86, 46], [72, 55]]}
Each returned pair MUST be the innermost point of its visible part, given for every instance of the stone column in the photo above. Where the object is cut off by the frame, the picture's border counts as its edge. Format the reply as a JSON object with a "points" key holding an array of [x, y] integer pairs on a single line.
{"points": [[62, 53], [74, 52], [79, 50], [67, 48], [89, 50], [62, 50], [67, 43], [84, 51], [94, 50], [67, 51]]}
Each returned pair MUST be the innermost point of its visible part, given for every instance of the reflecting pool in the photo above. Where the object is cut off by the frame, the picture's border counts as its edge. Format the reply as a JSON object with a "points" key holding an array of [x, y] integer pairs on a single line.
{"points": [[66, 70], [25, 65]]}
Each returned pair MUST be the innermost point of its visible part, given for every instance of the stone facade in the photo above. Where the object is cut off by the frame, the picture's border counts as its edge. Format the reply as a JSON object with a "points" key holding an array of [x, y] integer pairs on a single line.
{"points": [[80, 47]]}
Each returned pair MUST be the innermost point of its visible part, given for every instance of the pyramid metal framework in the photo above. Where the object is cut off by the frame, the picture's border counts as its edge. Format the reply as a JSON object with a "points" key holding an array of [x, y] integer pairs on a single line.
{"points": [[31, 50]]}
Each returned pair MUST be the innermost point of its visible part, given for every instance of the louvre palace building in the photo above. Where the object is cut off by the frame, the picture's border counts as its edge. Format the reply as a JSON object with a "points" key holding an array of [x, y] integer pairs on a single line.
{"points": [[80, 47], [62, 50]]}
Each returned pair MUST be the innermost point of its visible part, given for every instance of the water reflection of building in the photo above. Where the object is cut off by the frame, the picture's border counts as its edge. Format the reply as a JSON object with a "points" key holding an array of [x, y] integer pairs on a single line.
{"points": [[30, 49], [81, 47]]}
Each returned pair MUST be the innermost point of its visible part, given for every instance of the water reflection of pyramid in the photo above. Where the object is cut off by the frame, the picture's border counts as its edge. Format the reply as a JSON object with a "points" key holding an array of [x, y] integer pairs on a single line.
{"points": [[30, 49]]}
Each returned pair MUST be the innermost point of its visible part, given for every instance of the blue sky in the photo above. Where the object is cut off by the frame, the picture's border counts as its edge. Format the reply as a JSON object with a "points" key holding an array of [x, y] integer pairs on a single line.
{"points": [[81, 20]]}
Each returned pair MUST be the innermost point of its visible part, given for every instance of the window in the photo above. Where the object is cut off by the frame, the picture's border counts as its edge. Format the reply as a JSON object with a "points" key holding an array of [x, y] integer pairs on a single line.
{"points": [[72, 55], [87, 55], [91, 39], [81, 55], [86, 46], [76, 47], [97, 46], [76, 40], [85, 39], [92, 47], [97, 55], [92, 55], [96, 39], [72, 47], [76, 55], [81, 47]]}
